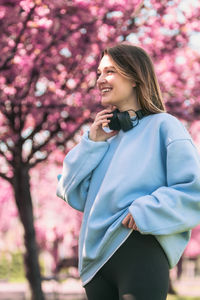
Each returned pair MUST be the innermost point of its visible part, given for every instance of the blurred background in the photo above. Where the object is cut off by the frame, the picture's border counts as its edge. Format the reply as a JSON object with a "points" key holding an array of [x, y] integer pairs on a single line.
{"points": [[49, 52]]}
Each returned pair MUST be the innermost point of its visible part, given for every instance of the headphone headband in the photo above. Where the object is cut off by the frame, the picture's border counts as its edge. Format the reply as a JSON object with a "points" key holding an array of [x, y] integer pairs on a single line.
{"points": [[122, 120]]}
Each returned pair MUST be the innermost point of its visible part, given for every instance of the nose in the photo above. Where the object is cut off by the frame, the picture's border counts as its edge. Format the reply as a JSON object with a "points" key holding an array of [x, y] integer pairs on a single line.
{"points": [[101, 79]]}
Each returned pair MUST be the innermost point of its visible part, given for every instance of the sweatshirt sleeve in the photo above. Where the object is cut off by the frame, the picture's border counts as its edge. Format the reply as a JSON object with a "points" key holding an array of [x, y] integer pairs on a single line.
{"points": [[78, 165], [173, 208]]}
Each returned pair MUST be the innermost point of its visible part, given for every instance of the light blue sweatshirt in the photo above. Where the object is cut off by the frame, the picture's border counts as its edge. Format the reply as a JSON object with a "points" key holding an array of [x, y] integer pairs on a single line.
{"points": [[151, 171]]}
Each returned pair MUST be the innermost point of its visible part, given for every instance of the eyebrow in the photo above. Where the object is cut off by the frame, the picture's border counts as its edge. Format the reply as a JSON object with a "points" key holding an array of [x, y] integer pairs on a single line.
{"points": [[108, 67]]}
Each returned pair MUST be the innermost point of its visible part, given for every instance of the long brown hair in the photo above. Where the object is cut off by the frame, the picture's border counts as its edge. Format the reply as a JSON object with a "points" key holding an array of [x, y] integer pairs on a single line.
{"points": [[134, 63]]}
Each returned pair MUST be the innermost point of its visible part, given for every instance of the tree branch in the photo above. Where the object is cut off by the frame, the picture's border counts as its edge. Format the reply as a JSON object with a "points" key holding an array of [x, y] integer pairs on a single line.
{"points": [[9, 115], [38, 148], [13, 51], [9, 179], [8, 147], [37, 128], [33, 76], [37, 161], [56, 38], [71, 135], [3, 154]]}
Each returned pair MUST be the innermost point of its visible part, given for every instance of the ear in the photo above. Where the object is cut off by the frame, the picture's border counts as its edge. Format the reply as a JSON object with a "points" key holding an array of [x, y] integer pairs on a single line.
{"points": [[133, 83]]}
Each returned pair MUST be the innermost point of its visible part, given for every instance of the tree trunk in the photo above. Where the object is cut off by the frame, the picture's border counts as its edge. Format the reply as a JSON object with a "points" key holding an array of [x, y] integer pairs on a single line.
{"points": [[21, 186]]}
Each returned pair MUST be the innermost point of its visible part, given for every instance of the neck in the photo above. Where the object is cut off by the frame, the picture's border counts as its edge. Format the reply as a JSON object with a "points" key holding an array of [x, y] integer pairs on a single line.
{"points": [[130, 108], [130, 105]]}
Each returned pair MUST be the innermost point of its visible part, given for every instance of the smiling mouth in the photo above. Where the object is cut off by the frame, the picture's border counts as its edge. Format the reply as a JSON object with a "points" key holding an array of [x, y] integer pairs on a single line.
{"points": [[105, 91]]}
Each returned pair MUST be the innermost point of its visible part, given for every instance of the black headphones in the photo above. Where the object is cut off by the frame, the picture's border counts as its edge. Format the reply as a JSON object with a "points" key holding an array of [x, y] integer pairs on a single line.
{"points": [[122, 120]]}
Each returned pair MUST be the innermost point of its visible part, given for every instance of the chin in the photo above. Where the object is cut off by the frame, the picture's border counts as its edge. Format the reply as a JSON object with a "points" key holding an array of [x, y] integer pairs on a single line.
{"points": [[106, 102]]}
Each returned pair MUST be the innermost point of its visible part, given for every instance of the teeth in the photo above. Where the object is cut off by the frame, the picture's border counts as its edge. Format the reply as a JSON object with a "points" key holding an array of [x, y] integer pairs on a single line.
{"points": [[106, 90]]}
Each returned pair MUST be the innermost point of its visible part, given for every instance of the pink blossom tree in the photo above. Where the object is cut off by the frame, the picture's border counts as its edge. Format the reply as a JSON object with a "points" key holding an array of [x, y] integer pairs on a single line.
{"points": [[49, 54], [57, 224]]}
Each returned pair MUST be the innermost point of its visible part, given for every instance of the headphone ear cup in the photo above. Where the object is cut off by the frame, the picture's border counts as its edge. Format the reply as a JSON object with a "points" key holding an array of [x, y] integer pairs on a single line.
{"points": [[124, 120], [114, 123]]}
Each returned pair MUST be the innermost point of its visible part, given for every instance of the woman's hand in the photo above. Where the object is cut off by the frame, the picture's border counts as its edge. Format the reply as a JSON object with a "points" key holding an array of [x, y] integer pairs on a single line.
{"points": [[96, 131], [129, 222]]}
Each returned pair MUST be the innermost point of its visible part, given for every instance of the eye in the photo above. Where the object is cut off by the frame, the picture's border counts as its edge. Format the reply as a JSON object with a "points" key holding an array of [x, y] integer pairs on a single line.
{"points": [[110, 71], [98, 74]]}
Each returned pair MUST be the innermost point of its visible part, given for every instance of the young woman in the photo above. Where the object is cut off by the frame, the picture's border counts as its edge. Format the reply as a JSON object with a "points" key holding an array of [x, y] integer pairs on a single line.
{"points": [[138, 184]]}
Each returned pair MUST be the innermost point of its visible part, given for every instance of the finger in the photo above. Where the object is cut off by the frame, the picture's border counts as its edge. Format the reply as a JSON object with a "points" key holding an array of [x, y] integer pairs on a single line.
{"points": [[135, 227], [124, 223], [112, 133], [131, 223], [126, 219], [107, 115], [103, 112], [112, 107], [101, 122]]}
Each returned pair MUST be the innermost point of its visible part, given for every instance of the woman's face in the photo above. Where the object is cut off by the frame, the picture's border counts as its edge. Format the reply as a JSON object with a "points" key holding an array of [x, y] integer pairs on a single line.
{"points": [[115, 89]]}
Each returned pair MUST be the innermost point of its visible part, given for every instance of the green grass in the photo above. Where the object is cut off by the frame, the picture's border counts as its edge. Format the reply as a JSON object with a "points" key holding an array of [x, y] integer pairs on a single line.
{"points": [[182, 298], [12, 267]]}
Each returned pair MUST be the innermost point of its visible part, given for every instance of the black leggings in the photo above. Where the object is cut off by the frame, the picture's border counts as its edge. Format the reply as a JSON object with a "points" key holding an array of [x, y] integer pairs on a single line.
{"points": [[138, 270]]}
